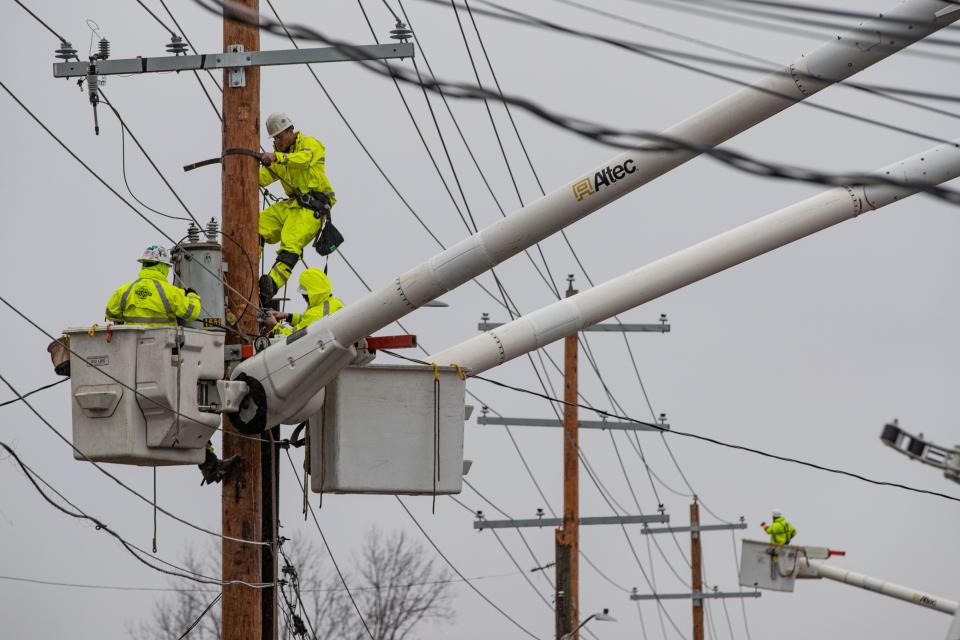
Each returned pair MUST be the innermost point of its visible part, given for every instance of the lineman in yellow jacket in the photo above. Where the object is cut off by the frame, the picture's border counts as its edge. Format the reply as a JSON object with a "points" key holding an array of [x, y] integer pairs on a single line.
{"points": [[316, 290], [781, 531], [150, 300], [153, 302], [298, 163]]}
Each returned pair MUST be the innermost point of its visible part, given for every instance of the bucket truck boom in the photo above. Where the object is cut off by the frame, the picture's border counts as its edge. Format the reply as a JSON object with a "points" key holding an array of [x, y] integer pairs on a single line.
{"points": [[277, 384], [778, 567], [565, 317]]}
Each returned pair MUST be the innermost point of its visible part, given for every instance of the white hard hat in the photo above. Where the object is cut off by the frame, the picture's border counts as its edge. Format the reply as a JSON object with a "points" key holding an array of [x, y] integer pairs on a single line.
{"points": [[156, 253], [278, 122], [777, 513]]}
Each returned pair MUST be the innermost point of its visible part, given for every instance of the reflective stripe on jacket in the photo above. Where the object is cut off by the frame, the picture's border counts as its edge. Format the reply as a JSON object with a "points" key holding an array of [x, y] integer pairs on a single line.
{"points": [[150, 300], [302, 169], [781, 531]]}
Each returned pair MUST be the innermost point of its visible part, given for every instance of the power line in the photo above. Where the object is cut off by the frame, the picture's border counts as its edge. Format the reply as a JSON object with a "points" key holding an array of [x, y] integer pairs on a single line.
{"points": [[696, 436], [117, 480], [633, 140], [366, 150], [45, 25], [326, 545], [666, 56], [30, 393], [105, 587], [457, 571], [880, 92], [108, 186], [33, 477], [200, 617], [156, 17]]}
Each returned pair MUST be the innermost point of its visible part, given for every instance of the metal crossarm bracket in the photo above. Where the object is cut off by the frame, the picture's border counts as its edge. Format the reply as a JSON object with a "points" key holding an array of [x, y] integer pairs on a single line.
{"points": [[629, 328], [695, 596], [235, 59], [556, 522], [702, 527], [584, 424]]}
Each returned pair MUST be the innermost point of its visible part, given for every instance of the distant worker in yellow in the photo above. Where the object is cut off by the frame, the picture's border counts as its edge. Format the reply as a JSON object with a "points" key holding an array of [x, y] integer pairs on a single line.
{"points": [[316, 290], [780, 531], [150, 300], [298, 163], [153, 302]]}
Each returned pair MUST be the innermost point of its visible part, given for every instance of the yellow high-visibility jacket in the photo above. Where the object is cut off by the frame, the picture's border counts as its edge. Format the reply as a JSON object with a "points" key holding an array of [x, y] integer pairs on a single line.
{"points": [[320, 301], [150, 300], [781, 531], [301, 169]]}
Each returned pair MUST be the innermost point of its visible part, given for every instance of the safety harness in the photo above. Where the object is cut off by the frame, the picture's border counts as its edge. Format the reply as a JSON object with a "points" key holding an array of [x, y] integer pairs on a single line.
{"points": [[329, 238]]}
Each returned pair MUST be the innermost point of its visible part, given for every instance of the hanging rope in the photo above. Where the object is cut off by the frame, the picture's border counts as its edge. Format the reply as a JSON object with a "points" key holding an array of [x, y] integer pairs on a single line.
{"points": [[436, 434]]}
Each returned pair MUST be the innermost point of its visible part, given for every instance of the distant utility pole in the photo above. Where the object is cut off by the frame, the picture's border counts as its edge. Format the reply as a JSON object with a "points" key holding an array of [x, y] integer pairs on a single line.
{"points": [[568, 534], [697, 595], [247, 614], [696, 579]]}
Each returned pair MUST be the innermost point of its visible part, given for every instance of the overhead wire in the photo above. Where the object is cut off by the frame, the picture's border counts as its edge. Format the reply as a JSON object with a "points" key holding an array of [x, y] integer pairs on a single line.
{"points": [[36, 479], [633, 140], [368, 22], [203, 613], [42, 22], [769, 65], [669, 57], [752, 21], [117, 480], [366, 150], [825, 24], [700, 437], [156, 17], [326, 545], [30, 393], [591, 472], [458, 572], [108, 185]]}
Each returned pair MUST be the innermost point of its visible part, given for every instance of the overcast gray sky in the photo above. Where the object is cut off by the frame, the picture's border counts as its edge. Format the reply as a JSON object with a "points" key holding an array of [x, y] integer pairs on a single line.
{"points": [[805, 352]]}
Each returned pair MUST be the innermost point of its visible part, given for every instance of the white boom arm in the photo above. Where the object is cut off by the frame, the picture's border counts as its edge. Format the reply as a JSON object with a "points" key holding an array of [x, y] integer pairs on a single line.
{"points": [[567, 316], [282, 379], [815, 569]]}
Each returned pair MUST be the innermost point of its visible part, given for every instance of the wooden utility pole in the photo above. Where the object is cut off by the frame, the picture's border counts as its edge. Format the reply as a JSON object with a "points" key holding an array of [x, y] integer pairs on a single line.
{"points": [[695, 566], [247, 614], [568, 535]]}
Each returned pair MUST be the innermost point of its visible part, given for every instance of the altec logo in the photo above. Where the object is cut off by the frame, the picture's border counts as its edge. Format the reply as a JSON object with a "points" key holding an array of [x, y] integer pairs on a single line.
{"points": [[603, 178]]}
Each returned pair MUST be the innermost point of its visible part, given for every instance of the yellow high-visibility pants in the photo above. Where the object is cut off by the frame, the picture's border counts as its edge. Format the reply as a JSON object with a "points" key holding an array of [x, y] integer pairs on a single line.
{"points": [[286, 222], [293, 226]]}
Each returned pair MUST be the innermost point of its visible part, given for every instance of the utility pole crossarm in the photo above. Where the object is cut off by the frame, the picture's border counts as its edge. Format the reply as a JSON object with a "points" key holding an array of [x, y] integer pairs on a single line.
{"points": [[481, 524], [697, 528], [695, 596], [231, 60], [660, 327], [583, 424]]}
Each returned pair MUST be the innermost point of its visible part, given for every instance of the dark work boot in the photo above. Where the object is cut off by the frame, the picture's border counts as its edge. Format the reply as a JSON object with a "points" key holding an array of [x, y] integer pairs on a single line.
{"points": [[214, 470], [268, 289]]}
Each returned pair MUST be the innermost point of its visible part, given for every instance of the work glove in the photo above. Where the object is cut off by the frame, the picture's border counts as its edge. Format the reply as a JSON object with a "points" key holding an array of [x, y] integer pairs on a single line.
{"points": [[188, 291]]}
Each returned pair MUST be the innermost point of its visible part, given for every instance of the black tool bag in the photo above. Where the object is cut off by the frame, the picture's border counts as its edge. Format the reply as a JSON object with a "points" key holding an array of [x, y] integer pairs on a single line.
{"points": [[329, 238]]}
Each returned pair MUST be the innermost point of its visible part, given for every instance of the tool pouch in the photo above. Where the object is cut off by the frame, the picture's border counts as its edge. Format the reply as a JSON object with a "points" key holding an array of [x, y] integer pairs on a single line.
{"points": [[329, 238]]}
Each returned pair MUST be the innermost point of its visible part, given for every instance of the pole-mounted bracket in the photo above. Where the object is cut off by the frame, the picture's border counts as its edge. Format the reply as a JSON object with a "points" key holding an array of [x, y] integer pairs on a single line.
{"points": [[238, 75]]}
